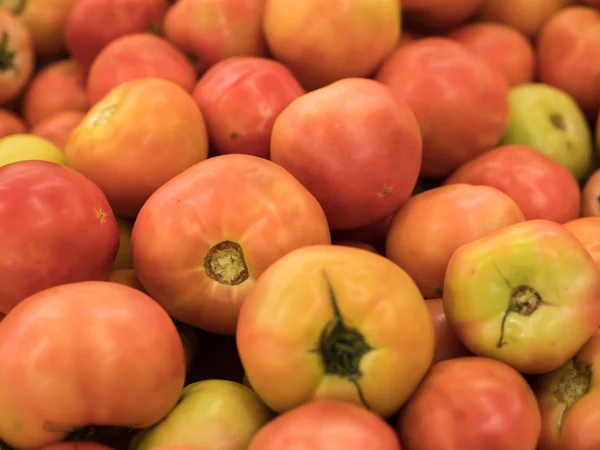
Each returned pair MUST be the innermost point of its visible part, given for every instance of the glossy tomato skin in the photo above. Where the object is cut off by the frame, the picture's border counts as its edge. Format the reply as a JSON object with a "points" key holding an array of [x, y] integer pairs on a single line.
{"points": [[11, 123], [59, 227], [92, 24], [354, 146], [58, 127], [587, 231], [447, 344], [421, 238], [471, 403], [591, 196], [250, 208], [325, 425], [132, 379], [240, 98], [287, 316], [575, 428], [541, 187], [14, 78], [136, 56]]}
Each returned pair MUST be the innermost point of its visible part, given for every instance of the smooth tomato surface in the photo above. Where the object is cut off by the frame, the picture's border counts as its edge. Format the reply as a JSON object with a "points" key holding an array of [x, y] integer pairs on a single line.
{"points": [[58, 127], [587, 230], [471, 403], [11, 123], [341, 323], [325, 425], [447, 344], [591, 196]]}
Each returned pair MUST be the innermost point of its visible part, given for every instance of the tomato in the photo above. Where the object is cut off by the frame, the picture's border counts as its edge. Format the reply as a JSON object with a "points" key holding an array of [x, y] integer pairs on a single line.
{"points": [[342, 324], [58, 127], [202, 239], [213, 30], [76, 445], [421, 239], [591, 196], [92, 24], [23, 147], [357, 244], [543, 188], [211, 415], [587, 230], [374, 233], [325, 425], [240, 98], [61, 229], [447, 344], [16, 57], [569, 399], [460, 102], [136, 56], [437, 15], [46, 21], [356, 148], [11, 123], [130, 154], [56, 88], [471, 403], [133, 379]]}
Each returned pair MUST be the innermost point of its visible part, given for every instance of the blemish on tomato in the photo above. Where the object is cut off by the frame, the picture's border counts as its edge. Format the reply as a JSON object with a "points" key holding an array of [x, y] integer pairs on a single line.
{"points": [[101, 216], [385, 191], [103, 116]]}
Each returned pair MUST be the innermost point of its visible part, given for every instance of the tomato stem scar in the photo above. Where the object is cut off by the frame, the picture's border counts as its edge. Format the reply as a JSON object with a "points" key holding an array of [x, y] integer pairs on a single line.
{"points": [[573, 385], [225, 264]]}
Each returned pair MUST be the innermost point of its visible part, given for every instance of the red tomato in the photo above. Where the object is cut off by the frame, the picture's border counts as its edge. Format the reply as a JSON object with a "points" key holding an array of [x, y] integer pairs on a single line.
{"points": [[471, 403], [543, 188], [17, 57], [77, 445], [351, 136], [240, 98], [326, 425], [353, 327], [447, 344], [58, 128], [107, 353], [461, 103], [587, 231], [590, 206], [92, 24], [421, 239], [136, 56], [11, 123], [56, 88], [59, 227], [202, 239]]}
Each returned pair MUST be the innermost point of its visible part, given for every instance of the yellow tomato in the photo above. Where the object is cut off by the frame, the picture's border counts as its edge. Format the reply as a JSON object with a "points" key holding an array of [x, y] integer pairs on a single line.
{"points": [[24, 147]]}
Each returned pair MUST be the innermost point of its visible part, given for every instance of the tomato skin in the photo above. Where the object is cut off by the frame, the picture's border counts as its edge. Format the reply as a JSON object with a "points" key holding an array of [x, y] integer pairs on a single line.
{"points": [[77, 445], [591, 196], [11, 123], [240, 98], [58, 87], [471, 403], [14, 79], [283, 317], [421, 240], [243, 199], [136, 56], [50, 334], [325, 425], [345, 138], [541, 187], [61, 226], [447, 344], [579, 427], [357, 244], [58, 127], [587, 231], [92, 24]]}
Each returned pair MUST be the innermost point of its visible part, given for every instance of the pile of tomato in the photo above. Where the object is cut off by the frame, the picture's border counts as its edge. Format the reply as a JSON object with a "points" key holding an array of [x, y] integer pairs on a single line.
{"points": [[299, 224]]}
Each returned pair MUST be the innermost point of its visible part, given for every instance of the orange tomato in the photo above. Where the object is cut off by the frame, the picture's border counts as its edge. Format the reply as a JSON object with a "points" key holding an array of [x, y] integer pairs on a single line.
{"points": [[587, 230]]}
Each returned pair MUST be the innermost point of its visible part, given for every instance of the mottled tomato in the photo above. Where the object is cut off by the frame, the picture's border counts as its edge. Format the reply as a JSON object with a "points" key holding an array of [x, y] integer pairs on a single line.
{"points": [[471, 403], [76, 445], [569, 399], [56, 88], [325, 425], [202, 239], [58, 127], [590, 202], [357, 244], [543, 188], [351, 136], [11, 123], [60, 226], [460, 102], [133, 379], [421, 239], [526, 295], [16, 56], [136, 56], [342, 324], [240, 98], [587, 231], [213, 30], [447, 344], [46, 21], [127, 131], [92, 24]]}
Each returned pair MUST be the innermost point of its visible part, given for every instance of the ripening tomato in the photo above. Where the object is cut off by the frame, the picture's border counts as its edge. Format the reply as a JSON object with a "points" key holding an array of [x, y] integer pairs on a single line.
{"points": [[326, 425], [108, 354], [590, 206], [341, 323], [471, 403], [11, 123], [203, 238], [447, 344], [58, 127]]}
